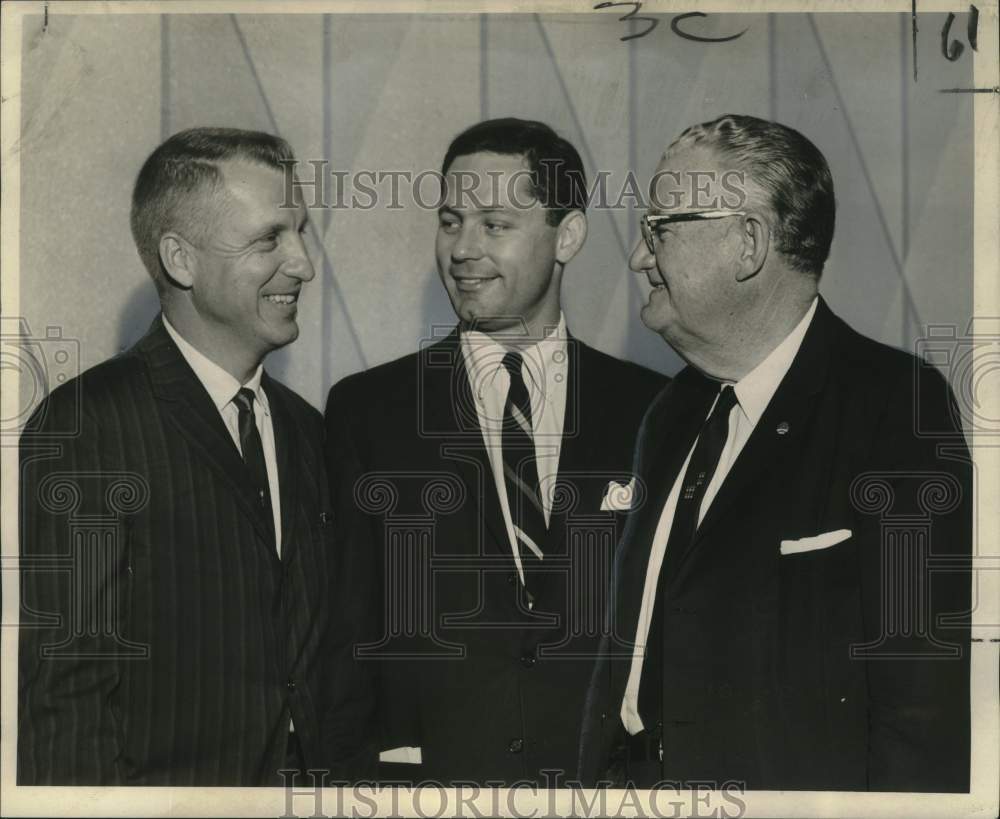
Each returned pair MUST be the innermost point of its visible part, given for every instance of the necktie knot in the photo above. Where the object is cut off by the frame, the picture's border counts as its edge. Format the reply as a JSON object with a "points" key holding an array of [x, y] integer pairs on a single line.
{"points": [[512, 364], [518, 392], [244, 400], [727, 400]]}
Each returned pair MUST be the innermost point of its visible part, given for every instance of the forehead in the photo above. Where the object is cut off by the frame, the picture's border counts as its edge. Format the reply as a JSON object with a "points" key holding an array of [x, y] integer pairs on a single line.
{"points": [[252, 189], [488, 180], [687, 176]]}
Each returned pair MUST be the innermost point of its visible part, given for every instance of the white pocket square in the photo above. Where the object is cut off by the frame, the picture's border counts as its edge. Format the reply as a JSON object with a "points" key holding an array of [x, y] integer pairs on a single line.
{"points": [[811, 544], [618, 497], [407, 756]]}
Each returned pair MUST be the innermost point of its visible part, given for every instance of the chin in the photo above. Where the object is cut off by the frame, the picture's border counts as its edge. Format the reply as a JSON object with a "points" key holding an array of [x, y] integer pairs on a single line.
{"points": [[279, 340], [477, 314], [649, 319]]}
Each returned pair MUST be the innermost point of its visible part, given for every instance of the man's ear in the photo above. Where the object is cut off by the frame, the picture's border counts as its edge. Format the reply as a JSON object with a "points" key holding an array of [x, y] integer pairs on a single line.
{"points": [[178, 259], [570, 236], [756, 236]]}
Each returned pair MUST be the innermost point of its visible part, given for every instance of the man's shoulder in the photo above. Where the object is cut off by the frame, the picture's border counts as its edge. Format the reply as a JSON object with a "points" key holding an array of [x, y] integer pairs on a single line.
{"points": [[874, 367], [892, 382], [623, 378], [394, 382], [115, 382], [302, 410], [853, 348], [398, 370]]}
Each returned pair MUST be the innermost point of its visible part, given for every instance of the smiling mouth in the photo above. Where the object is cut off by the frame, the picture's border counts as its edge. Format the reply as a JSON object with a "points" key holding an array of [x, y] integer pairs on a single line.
{"points": [[470, 284], [282, 298]]}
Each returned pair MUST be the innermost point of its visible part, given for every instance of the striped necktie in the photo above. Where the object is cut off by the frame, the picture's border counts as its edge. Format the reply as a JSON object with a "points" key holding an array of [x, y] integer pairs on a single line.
{"points": [[520, 471]]}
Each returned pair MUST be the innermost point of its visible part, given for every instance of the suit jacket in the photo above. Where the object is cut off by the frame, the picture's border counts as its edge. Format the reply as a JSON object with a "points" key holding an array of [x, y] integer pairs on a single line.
{"points": [[162, 640], [485, 687], [829, 669]]}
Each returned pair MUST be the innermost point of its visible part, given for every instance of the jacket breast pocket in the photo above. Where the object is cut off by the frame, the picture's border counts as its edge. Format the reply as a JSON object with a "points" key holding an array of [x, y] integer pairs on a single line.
{"points": [[814, 543]]}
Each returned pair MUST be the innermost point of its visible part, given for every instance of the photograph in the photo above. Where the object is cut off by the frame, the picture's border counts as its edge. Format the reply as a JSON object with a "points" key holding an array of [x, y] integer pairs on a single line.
{"points": [[551, 408]]}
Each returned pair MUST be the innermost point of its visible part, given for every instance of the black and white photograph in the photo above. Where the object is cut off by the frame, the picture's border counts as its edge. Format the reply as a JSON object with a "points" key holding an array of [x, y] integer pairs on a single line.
{"points": [[531, 409]]}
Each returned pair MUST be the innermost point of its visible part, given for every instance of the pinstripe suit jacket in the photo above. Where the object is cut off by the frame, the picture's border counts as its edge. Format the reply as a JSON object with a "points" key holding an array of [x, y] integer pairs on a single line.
{"points": [[162, 641]]}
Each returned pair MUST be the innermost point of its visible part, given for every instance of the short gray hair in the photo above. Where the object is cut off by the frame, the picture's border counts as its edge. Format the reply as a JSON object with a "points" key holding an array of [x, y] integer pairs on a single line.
{"points": [[182, 171], [791, 171]]}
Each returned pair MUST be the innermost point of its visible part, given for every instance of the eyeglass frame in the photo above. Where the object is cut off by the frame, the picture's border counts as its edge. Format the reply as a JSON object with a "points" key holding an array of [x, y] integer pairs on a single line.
{"points": [[648, 221]]}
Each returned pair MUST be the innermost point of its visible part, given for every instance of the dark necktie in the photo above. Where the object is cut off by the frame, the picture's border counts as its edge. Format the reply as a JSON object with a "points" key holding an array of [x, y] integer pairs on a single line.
{"points": [[253, 457], [701, 468], [520, 471]]}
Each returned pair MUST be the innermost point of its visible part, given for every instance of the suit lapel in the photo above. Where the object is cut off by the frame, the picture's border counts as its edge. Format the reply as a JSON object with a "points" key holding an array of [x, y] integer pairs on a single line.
{"points": [[449, 400], [790, 408], [579, 416], [671, 425], [190, 409], [287, 457]]}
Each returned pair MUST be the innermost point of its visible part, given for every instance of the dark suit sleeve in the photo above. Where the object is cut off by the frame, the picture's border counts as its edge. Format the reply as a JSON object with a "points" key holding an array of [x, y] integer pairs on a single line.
{"points": [[355, 593], [67, 731], [919, 704]]}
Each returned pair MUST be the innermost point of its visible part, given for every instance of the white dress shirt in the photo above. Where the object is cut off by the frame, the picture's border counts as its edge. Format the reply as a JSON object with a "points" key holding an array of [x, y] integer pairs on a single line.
{"points": [[545, 368], [753, 393], [222, 388]]}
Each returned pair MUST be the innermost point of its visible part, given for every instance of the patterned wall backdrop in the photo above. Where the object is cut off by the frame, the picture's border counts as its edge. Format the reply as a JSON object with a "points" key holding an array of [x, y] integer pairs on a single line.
{"points": [[388, 92]]}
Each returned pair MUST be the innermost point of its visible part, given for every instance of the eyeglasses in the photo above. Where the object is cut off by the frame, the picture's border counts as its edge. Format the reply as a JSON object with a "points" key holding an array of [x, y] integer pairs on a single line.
{"points": [[649, 221]]}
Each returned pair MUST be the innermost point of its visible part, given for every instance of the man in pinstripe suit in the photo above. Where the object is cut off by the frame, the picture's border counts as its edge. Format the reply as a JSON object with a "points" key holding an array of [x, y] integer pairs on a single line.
{"points": [[193, 635]]}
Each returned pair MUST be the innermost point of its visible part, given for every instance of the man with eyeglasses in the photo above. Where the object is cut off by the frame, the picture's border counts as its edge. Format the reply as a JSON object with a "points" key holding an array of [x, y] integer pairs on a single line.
{"points": [[780, 633]]}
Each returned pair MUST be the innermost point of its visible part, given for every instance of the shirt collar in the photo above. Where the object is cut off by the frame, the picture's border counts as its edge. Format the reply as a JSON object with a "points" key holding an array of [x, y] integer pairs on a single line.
{"points": [[220, 385], [755, 390], [548, 362]]}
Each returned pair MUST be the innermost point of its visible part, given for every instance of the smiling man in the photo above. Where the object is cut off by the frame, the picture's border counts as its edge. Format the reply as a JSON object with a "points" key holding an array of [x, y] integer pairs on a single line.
{"points": [[496, 445], [195, 639], [787, 624]]}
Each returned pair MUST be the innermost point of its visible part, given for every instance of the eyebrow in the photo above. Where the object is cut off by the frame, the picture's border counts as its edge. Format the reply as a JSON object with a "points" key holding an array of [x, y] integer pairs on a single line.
{"points": [[273, 227], [491, 209]]}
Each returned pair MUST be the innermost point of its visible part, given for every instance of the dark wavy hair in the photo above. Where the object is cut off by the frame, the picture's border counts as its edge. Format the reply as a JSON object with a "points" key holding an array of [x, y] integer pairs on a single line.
{"points": [[793, 173], [558, 180]]}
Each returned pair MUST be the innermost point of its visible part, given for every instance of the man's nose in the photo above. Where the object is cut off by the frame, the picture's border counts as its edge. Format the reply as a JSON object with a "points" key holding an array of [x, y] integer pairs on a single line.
{"points": [[468, 244], [298, 264], [641, 259]]}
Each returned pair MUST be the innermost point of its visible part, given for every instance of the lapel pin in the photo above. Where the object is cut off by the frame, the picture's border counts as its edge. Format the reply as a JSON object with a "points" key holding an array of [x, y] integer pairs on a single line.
{"points": [[783, 428]]}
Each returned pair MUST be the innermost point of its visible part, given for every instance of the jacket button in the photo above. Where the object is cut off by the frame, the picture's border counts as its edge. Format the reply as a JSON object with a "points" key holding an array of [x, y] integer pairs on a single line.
{"points": [[527, 661], [516, 746], [512, 578], [290, 684]]}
